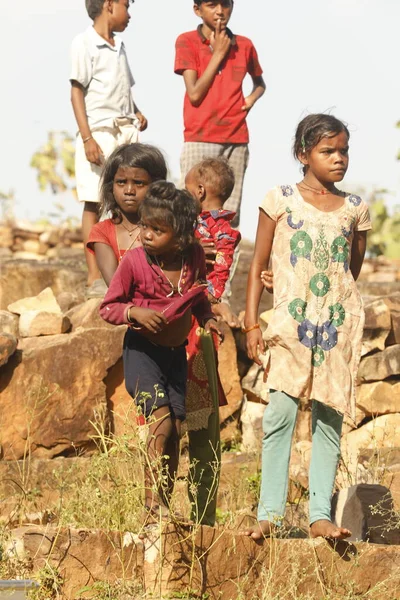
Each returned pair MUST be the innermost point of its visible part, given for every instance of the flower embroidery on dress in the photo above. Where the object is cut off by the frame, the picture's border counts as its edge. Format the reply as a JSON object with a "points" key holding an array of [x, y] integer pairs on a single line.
{"points": [[318, 356], [287, 190], [297, 308], [355, 200], [337, 314], [293, 224], [327, 336], [320, 284], [307, 333]]}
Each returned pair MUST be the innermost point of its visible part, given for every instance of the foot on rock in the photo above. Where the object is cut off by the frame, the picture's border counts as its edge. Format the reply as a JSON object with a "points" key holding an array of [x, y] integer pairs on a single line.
{"points": [[326, 529], [262, 530]]}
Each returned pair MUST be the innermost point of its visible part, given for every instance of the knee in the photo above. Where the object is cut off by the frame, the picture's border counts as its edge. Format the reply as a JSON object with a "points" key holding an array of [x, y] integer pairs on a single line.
{"points": [[279, 416]]}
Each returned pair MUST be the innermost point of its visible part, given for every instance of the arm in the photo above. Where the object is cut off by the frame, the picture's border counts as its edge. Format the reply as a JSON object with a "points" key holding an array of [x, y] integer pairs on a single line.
{"points": [[202, 310], [257, 92], [357, 252], [93, 152], [106, 261], [141, 118], [262, 252], [197, 89], [226, 239]]}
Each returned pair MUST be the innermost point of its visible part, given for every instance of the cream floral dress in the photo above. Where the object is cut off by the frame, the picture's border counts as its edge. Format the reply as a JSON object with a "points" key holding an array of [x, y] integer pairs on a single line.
{"points": [[315, 333]]}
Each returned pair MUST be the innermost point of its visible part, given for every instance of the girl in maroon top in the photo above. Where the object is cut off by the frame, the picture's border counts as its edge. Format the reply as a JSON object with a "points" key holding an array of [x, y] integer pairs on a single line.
{"points": [[155, 290], [128, 172]]}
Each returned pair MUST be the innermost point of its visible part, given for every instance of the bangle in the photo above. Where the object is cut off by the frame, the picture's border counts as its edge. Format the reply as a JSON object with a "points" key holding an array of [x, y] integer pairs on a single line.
{"points": [[90, 137], [247, 329]]}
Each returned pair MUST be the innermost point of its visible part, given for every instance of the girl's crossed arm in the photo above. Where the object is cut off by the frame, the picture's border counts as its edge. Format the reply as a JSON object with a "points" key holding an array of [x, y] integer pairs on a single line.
{"points": [[262, 252]]}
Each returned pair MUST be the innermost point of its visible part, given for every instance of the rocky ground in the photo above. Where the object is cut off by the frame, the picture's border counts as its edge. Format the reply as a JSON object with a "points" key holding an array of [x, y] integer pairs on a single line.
{"points": [[70, 450]]}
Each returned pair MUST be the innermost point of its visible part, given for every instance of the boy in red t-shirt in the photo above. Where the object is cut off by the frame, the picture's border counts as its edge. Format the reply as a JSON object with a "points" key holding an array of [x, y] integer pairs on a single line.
{"points": [[214, 63]]}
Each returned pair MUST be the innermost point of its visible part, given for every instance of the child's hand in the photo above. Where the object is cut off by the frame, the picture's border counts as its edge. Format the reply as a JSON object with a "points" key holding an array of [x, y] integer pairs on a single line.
{"points": [[150, 319], [220, 41], [211, 326], [267, 279], [94, 153], [248, 104], [255, 345], [210, 251], [142, 121]]}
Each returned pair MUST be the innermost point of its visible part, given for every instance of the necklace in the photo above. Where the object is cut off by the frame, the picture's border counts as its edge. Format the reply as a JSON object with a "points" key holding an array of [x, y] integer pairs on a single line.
{"points": [[128, 248], [173, 287], [323, 192], [130, 231]]}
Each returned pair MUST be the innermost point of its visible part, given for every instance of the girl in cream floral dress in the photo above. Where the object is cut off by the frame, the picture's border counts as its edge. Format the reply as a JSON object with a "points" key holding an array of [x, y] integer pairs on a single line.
{"points": [[316, 236]]}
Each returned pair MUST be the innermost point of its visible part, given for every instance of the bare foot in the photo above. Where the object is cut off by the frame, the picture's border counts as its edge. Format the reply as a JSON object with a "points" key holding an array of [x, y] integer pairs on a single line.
{"points": [[262, 530], [224, 311], [326, 529]]}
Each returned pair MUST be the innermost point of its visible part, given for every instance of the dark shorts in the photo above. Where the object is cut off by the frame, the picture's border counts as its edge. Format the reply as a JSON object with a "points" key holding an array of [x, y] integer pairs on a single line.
{"points": [[155, 376]]}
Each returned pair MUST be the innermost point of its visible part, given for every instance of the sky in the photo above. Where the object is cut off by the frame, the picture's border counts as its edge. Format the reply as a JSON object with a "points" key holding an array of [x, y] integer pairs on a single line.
{"points": [[339, 56]]}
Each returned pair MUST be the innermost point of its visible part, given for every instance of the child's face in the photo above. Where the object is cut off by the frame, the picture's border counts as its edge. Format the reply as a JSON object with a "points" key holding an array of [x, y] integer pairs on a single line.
{"points": [[157, 238], [129, 188], [212, 11], [120, 15], [329, 159]]}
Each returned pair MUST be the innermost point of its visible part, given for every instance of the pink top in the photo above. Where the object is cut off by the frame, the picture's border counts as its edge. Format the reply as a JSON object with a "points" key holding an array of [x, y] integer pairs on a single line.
{"points": [[139, 282]]}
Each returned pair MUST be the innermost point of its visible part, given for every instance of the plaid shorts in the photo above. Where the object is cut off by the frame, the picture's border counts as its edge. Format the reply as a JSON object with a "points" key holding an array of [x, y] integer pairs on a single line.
{"points": [[236, 154]]}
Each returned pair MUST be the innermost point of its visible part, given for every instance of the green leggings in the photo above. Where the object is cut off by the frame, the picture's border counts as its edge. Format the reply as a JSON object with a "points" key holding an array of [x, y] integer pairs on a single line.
{"points": [[278, 424], [205, 450]]}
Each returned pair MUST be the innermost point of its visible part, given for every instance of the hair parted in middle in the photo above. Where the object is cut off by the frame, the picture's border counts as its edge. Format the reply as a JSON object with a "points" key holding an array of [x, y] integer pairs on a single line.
{"points": [[165, 204], [140, 156], [217, 174], [313, 128]]}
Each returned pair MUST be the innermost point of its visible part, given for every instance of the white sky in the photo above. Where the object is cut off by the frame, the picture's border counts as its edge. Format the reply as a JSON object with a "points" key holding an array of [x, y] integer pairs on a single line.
{"points": [[317, 55]]}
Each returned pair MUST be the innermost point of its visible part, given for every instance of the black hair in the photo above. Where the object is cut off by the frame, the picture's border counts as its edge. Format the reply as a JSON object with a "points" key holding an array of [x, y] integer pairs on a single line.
{"points": [[312, 129], [95, 7], [218, 174], [165, 204], [199, 2], [141, 156]]}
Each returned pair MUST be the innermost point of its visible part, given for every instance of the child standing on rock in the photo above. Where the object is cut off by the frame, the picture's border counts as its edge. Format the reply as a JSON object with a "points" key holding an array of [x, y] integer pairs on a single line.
{"points": [[316, 235], [155, 290]]}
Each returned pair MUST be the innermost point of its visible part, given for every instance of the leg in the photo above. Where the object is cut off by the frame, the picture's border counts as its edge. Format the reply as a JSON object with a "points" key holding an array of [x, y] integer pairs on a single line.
{"points": [[238, 158], [326, 432], [172, 459], [278, 424], [89, 218]]}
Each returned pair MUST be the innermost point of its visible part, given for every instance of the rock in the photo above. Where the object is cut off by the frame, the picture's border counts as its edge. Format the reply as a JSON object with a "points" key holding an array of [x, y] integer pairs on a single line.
{"points": [[252, 429], [393, 302], [87, 315], [5, 253], [254, 386], [382, 432], [8, 323], [379, 397], [44, 301], [28, 256], [83, 557], [303, 424], [228, 372], [380, 365], [51, 237], [367, 510], [67, 300], [8, 345], [121, 406], [377, 326], [39, 322], [392, 481], [21, 279], [52, 391], [6, 236], [35, 246], [377, 288]]}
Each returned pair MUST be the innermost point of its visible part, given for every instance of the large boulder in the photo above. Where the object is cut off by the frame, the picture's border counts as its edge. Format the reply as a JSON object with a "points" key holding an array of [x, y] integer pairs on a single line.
{"points": [[33, 323], [377, 326], [44, 301], [52, 392], [8, 345], [380, 365], [379, 397]]}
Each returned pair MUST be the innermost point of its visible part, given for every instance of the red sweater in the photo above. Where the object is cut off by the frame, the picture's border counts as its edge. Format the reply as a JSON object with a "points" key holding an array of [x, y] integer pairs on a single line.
{"points": [[139, 282]]}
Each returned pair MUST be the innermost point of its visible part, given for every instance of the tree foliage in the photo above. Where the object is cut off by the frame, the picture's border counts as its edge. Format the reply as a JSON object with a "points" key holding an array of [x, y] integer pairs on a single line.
{"points": [[54, 163], [385, 236]]}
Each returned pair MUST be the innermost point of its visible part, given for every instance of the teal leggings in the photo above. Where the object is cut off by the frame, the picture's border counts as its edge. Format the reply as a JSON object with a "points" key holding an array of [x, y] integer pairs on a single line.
{"points": [[278, 424]]}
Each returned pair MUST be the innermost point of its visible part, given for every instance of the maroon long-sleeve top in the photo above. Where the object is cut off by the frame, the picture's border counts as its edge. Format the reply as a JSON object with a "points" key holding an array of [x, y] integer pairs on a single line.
{"points": [[140, 282]]}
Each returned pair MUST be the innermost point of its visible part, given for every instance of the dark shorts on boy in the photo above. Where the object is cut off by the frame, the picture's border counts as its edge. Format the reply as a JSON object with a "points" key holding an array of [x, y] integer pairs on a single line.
{"points": [[155, 375]]}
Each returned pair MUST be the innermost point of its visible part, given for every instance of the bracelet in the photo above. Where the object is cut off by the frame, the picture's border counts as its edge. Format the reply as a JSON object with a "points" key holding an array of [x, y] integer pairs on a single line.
{"points": [[90, 137], [247, 329], [128, 317]]}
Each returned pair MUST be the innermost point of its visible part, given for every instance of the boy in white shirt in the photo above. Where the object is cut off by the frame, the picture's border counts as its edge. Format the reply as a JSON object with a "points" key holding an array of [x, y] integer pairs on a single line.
{"points": [[104, 109]]}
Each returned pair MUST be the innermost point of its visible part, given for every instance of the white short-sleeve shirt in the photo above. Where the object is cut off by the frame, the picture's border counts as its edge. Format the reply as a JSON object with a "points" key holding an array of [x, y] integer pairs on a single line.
{"points": [[104, 73]]}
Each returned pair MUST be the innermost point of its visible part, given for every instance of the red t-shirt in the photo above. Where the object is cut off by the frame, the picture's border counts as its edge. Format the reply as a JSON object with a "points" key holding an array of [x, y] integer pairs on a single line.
{"points": [[219, 118]]}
